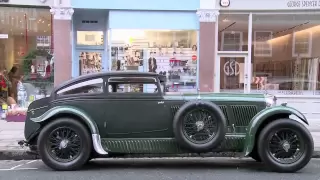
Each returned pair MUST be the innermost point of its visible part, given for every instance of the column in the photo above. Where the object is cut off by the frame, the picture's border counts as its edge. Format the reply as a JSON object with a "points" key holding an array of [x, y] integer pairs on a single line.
{"points": [[62, 44], [207, 48]]}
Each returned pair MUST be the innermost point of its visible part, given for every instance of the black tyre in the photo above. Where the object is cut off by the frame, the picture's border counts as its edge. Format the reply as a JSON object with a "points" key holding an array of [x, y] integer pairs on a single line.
{"points": [[199, 126], [65, 144], [254, 155], [285, 145]]}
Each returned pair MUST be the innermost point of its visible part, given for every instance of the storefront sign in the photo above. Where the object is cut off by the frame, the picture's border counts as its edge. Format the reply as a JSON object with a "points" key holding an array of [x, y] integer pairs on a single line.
{"points": [[303, 3], [231, 68], [225, 3], [4, 1]]}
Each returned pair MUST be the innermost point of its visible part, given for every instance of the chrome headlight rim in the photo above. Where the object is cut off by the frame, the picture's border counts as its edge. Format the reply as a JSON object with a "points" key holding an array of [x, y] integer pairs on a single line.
{"points": [[270, 100]]}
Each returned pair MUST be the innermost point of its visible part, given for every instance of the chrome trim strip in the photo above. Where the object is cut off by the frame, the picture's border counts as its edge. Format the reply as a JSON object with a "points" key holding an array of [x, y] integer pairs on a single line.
{"points": [[62, 109], [96, 140], [37, 108]]}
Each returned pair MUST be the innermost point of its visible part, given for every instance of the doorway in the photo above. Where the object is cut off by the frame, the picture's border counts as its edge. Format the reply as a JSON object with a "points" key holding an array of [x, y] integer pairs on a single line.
{"points": [[232, 74]]}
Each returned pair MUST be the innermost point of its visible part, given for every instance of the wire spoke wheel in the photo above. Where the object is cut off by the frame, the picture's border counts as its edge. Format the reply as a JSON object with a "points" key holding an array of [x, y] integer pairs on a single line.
{"points": [[64, 144], [199, 126], [285, 146]]}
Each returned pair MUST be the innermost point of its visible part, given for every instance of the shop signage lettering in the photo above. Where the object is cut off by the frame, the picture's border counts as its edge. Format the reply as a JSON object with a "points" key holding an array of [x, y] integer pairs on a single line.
{"points": [[4, 1], [231, 68], [224, 3], [301, 3], [290, 92]]}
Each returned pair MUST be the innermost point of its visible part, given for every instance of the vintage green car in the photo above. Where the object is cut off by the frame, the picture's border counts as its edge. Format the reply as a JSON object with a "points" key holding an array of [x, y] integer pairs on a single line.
{"points": [[116, 114]]}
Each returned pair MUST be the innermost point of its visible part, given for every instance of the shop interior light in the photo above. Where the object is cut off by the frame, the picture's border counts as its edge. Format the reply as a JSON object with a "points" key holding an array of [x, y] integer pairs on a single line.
{"points": [[225, 20], [311, 29]]}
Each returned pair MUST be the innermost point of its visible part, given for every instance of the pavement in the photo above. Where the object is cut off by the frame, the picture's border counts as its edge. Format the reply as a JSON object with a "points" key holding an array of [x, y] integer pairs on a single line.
{"points": [[12, 132], [156, 169]]}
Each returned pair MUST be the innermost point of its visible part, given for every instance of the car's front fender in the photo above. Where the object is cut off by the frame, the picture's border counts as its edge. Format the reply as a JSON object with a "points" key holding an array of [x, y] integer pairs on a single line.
{"points": [[264, 116], [68, 110]]}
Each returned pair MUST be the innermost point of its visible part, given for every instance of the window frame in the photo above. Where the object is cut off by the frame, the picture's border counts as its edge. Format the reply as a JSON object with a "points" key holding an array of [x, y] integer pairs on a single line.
{"points": [[136, 95], [294, 54], [256, 44], [82, 83], [85, 46], [230, 32]]}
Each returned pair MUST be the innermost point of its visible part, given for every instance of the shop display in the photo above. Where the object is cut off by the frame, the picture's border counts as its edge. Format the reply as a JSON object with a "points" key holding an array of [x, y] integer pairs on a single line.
{"points": [[125, 57], [90, 62], [180, 68], [152, 62], [173, 54]]}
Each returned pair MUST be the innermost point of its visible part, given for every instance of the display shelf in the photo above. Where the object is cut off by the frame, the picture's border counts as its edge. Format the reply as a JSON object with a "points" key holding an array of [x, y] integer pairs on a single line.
{"points": [[176, 63], [90, 62]]}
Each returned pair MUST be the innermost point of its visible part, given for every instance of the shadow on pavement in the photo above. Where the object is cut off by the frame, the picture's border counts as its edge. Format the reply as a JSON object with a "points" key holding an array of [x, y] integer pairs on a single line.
{"points": [[175, 164]]}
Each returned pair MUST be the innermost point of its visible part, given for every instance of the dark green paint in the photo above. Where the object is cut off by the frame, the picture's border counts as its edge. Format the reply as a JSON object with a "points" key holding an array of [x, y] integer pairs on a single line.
{"points": [[264, 115], [143, 123], [163, 145], [68, 110]]}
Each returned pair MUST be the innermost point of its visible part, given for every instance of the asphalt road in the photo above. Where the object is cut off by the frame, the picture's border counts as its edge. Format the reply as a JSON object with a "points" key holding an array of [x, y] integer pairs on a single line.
{"points": [[157, 169]]}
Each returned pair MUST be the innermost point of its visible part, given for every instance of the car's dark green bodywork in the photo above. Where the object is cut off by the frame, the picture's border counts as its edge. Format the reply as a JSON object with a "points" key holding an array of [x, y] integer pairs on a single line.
{"points": [[143, 125]]}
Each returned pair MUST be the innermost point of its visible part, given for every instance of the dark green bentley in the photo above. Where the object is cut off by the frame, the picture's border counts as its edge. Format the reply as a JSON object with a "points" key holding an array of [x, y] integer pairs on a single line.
{"points": [[116, 114]]}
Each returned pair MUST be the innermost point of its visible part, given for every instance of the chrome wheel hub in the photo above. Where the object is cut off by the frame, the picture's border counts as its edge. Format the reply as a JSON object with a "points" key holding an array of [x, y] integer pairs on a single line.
{"points": [[200, 125], [63, 144], [286, 146]]}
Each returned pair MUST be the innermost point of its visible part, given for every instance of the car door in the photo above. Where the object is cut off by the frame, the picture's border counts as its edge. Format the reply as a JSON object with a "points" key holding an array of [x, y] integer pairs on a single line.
{"points": [[135, 114]]}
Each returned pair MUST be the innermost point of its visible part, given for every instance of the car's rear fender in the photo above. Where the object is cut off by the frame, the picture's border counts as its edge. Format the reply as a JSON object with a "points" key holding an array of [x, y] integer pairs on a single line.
{"points": [[266, 116], [85, 118]]}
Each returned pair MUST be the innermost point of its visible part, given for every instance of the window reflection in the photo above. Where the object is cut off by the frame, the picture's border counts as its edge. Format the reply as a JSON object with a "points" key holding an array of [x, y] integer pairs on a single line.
{"points": [[166, 52], [285, 53]]}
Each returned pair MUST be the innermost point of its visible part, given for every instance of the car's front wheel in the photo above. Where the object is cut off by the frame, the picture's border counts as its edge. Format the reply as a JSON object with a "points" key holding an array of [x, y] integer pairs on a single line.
{"points": [[64, 144], [285, 145]]}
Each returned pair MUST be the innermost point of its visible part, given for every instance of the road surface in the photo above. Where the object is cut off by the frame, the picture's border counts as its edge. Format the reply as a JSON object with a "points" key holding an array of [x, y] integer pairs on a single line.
{"points": [[157, 169]]}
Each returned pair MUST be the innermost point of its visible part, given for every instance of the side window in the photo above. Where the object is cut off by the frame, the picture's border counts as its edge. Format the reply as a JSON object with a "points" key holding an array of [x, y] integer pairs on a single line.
{"points": [[93, 86], [132, 85]]}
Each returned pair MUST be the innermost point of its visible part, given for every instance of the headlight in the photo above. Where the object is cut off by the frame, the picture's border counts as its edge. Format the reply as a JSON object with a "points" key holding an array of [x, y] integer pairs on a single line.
{"points": [[270, 100]]}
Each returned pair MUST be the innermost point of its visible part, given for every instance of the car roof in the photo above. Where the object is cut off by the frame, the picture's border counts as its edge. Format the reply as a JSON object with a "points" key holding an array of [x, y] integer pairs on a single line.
{"points": [[162, 78]]}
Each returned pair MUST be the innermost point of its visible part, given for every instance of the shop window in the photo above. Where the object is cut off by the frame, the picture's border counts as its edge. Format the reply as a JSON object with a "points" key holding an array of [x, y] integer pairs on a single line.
{"points": [[90, 38], [232, 41], [301, 44], [232, 32], [171, 53], [262, 47], [26, 56], [94, 86], [290, 67], [90, 62]]}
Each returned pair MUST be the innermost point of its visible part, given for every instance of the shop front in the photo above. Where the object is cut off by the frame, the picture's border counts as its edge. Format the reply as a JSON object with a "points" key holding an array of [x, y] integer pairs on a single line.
{"points": [[147, 38], [270, 47], [26, 63]]}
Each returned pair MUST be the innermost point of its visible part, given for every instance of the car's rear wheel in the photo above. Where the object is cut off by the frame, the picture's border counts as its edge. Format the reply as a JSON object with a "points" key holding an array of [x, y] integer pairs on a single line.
{"points": [[65, 144], [199, 126], [285, 145]]}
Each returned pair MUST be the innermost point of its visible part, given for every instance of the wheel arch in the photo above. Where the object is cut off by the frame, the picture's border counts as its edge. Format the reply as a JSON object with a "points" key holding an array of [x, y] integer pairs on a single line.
{"points": [[265, 117], [78, 114]]}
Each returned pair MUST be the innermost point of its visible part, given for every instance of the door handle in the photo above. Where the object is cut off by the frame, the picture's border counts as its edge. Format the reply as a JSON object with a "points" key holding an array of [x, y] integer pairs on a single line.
{"points": [[160, 102]]}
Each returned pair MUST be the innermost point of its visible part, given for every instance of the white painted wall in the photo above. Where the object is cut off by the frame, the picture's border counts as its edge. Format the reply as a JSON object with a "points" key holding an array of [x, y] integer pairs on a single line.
{"points": [[308, 105], [273, 5]]}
